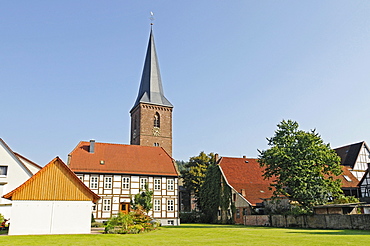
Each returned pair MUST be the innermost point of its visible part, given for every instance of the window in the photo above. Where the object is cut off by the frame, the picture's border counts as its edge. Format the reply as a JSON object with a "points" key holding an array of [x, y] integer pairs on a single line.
{"points": [[347, 178], [170, 184], [143, 182], [125, 183], [157, 184], [170, 222], [106, 205], [94, 207], [108, 182], [237, 213], [156, 144], [81, 177], [94, 182], [157, 205], [3, 170], [157, 120], [170, 205]]}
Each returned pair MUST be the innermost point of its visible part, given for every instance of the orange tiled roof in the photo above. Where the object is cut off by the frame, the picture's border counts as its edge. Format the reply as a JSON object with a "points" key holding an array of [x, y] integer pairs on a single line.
{"points": [[246, 173], [122, 159], [346, 183]]}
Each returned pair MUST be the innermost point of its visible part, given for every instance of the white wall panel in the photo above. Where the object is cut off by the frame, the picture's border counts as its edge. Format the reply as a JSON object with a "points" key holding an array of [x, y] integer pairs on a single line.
{"points": [[50, 217]]}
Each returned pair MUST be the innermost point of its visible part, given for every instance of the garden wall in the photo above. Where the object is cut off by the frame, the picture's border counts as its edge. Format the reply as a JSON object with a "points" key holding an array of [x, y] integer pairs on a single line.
{"points": [[322, 221]]}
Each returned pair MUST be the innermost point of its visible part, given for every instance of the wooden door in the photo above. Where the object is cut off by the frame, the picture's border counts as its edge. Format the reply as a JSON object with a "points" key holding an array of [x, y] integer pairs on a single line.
{"points": [[124, 207]]}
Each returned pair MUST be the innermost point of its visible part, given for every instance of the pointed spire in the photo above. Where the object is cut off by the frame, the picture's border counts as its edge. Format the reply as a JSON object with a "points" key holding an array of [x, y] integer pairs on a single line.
{"points": [[151, 90]]}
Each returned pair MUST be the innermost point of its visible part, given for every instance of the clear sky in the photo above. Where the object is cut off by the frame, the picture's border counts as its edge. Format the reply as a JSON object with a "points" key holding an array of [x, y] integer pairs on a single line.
{"points": [[70, 71]]}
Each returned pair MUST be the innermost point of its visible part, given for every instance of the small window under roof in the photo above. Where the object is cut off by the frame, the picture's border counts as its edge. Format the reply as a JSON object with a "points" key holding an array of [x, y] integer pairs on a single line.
{"points": [[347, 178]]}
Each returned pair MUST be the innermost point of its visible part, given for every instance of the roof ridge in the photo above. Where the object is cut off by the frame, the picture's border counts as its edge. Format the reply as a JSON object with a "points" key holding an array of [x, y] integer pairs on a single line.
{"points": [[16, 157]]}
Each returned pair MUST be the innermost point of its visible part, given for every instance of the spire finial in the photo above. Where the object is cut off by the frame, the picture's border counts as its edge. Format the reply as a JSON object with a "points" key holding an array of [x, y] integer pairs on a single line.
{"points": [[151, 18]]}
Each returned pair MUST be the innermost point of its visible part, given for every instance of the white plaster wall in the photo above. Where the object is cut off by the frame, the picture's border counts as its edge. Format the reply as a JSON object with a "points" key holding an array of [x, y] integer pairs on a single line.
{"points": [[5, 210], [17, 173], [50, 217], [30, 166]]}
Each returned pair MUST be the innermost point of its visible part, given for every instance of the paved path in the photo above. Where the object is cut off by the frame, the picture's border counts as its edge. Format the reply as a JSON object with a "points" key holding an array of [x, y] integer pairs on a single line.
{"points": [[97, 230]]}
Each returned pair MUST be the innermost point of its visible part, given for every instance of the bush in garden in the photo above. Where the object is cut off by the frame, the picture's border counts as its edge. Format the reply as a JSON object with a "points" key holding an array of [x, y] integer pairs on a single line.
{"points": [[132, 223]]}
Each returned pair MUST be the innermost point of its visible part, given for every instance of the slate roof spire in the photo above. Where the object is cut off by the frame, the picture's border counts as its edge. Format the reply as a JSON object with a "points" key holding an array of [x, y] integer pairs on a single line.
{"points": [[151, 90]]}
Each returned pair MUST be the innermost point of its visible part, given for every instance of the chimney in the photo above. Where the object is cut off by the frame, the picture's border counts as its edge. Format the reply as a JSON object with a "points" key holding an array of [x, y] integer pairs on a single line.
{"points": [[92, 146], [217, 157], [242, 192]]}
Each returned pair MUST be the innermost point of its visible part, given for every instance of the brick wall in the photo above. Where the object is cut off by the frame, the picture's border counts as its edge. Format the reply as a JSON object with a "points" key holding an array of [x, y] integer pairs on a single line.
{"points": [[144, 114]]}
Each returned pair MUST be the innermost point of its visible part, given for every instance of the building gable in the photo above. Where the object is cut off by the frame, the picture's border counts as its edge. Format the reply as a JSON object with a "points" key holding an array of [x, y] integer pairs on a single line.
{"points": [[355, 156], [55, 182]]}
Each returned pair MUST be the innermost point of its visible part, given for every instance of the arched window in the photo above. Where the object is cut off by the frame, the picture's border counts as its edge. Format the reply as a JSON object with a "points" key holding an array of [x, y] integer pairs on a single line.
{"points": [[157, 120]]}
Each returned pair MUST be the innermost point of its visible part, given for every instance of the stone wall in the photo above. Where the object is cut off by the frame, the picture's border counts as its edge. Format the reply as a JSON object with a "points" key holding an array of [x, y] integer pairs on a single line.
{"points": [[257, 220], [322, 221]]}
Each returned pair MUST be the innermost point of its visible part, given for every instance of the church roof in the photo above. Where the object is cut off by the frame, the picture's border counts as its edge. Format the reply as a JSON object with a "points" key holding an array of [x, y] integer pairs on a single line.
{"points": [[121, 159], [151, 90], [245, 176]]}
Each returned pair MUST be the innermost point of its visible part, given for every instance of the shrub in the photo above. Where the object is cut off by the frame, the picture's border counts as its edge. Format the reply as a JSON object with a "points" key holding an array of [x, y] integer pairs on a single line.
{"points": [[1, 218], [97, 224], [132, 223]]}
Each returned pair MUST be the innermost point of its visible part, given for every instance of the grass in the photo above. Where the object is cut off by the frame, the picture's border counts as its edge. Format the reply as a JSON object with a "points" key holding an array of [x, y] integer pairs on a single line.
{"points": [[204, 234]]}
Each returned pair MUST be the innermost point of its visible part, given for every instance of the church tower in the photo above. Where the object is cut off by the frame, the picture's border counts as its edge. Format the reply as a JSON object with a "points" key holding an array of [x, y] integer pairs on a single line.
{"points": [[151, 115]]}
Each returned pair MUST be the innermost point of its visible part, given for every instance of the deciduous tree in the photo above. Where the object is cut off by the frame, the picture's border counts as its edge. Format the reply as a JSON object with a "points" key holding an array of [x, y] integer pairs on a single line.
{"points": [[301, 166], [195, 172]]}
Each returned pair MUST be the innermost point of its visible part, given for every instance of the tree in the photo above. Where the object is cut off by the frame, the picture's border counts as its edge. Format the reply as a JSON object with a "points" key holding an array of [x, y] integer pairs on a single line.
{"points": [[143, 199], [195, 172], [301, 166]]}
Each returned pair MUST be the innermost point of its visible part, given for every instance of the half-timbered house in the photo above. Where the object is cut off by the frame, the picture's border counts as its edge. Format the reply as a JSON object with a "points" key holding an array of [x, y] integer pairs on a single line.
{"points": [[355, 157], [116, 172]]}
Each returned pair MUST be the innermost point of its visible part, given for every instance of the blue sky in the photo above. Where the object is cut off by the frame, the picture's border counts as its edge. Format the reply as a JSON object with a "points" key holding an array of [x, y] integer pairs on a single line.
{"points": [[70, 71]]}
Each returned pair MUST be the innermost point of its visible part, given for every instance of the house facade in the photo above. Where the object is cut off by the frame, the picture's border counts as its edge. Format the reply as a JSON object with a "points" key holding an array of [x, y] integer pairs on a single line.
{"points": [[364, 187], [117, 172], [14, 170]]}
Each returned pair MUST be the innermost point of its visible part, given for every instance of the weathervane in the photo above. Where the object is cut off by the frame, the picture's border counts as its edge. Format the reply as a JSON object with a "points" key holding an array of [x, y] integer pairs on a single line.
{"points": [[151, 18]]}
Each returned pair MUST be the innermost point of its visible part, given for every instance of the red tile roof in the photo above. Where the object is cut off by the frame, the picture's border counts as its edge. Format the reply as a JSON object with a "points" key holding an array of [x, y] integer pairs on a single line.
{"points": [[346, 183], [122, 159], [246, 173]]}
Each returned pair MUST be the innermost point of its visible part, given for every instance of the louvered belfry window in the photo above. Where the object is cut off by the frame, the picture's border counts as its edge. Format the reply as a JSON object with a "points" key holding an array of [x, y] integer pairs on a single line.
{"points": [[157, 120]]}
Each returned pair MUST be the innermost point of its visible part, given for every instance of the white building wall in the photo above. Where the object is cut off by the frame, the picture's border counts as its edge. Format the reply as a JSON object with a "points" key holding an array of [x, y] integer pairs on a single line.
{"points": [[17, 174], [50, 217]]}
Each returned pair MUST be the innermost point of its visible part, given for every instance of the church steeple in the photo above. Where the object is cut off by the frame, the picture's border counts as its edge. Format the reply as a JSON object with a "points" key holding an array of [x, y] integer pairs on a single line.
{"points": [[151, 115], [151, 90]]}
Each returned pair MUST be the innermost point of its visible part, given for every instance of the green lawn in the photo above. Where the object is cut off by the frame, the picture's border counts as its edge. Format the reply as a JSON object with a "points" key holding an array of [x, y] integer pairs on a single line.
{"points": [[202, 234]]}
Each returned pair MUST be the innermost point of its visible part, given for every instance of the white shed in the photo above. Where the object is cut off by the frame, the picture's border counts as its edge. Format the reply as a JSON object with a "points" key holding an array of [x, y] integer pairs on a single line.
{"points": [[53, 201]]}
